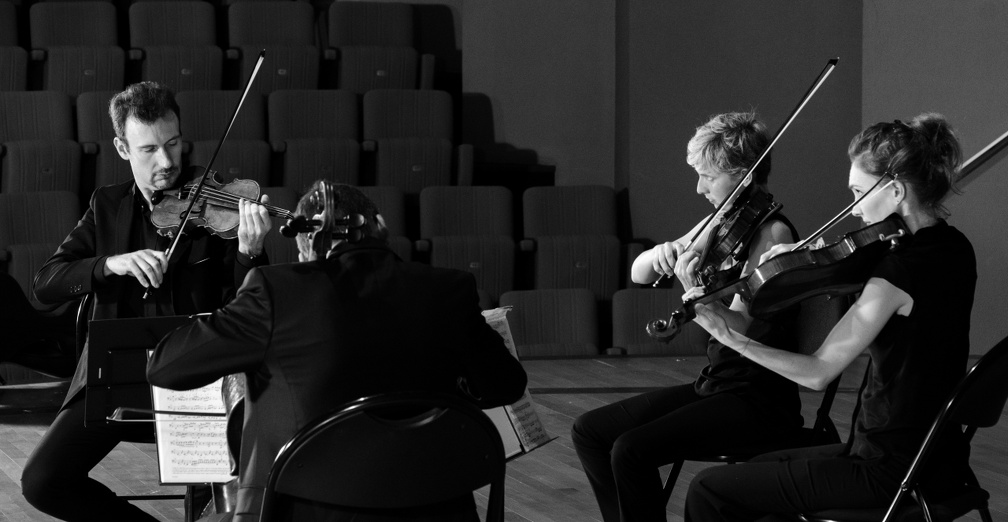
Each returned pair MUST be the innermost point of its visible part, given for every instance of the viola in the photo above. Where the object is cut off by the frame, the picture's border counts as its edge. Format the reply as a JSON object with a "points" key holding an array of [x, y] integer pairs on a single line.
{"points": [[840, 268], [215, 208]]}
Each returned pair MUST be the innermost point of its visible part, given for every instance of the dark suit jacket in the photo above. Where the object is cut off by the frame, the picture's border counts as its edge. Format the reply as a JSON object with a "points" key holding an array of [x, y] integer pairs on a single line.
{"points": [[203, 273], [312, 336]]}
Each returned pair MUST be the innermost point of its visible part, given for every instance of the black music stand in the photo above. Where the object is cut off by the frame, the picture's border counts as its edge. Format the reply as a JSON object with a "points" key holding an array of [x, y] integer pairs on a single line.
{"points": [[117, 377], [117, 363]]}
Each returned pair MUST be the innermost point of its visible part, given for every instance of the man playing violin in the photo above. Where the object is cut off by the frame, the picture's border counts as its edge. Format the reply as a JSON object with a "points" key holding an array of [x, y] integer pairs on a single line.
{"points": [[733, 402], [350, 320], [116, 254], [904, 170]]}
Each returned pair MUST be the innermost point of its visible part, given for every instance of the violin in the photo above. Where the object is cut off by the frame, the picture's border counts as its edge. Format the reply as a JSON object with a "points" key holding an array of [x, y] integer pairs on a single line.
{"points": [[215, 209], [733, 237], [840, 268], [738, 216]]}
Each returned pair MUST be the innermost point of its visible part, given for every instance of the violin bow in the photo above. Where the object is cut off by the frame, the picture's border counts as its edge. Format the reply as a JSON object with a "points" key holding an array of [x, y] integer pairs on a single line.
{"points": [[206, 170], [722, 208]]}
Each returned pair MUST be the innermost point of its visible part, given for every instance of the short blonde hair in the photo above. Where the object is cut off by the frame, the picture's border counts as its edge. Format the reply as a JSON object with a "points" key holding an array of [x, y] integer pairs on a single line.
{"points": [[730, 143]]}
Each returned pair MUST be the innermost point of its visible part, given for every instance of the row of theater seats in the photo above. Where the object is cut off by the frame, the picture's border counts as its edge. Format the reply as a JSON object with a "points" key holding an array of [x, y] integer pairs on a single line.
{"points": [[393, 137], [568, 239], [361, 46]]}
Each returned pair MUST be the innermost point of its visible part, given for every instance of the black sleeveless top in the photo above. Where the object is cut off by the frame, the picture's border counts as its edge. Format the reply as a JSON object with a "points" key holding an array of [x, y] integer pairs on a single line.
{"points": [[729, 371]]}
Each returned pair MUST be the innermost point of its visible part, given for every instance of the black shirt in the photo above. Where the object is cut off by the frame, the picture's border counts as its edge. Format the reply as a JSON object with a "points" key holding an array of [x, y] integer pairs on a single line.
{"points": [[729, 371], [917, 360]]}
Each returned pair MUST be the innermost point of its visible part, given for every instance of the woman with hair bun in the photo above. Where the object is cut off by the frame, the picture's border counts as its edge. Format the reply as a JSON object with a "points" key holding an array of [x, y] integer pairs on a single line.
{"points": [[913, 319]]}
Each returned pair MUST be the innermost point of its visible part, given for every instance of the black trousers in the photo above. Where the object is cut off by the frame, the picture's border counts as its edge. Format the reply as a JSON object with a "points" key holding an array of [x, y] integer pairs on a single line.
{"points": [[791, 481], [622, 445], [55, 477]]}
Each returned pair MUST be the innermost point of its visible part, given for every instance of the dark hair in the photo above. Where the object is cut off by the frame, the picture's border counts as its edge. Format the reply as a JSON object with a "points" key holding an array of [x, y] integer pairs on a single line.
{"points": [[145, 101], [340, 201], [924, 154], [731, 143]]}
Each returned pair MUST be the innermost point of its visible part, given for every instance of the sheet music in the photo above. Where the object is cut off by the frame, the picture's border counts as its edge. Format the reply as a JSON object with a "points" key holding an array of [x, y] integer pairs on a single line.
{"points": [[524, 421], [191, 449]]}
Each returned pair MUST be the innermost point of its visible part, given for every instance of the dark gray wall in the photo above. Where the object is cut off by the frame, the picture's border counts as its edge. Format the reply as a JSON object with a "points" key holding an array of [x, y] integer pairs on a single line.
{"points": [[690, 60], [950, 57]]}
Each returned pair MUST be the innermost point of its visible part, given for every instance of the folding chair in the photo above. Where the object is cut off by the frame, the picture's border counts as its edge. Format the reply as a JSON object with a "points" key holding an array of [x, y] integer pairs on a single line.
{"points": [[817, 317], [391, 451], [977, 402]]}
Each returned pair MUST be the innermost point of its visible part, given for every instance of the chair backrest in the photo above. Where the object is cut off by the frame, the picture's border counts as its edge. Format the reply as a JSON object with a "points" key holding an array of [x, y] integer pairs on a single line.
{"points": [[35, 115], [205, 115], [553, 322], [466, 211], [391, 451], [185, 22], [73, 24], [569, 210], [312, 113], [370, 23], [402, 113], [977, 401], [13, 67], [8, 23], [633, 308], [271, 23], [37, 217]]}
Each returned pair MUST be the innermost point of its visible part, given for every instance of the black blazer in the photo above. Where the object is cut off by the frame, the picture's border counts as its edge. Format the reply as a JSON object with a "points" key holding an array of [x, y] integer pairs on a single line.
{"points": [[203, 273], [312, 336]]}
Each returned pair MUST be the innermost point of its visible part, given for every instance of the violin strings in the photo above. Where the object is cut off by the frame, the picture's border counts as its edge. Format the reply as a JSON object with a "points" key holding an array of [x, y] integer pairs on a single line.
{"points": [[231, 200]]}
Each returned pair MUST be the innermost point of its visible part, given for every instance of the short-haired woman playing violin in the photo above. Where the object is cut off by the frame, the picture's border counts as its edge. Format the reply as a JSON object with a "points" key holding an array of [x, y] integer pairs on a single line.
{"points": [[912, 317], [733, 402]]}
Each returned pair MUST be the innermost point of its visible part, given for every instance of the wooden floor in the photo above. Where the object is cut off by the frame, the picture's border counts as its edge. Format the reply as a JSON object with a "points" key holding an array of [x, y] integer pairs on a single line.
{"points": [[542, 486]]}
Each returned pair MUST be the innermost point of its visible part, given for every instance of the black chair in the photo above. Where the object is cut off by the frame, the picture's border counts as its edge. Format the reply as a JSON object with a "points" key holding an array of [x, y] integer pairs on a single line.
{"points": [[439, 447], [817, 317], [977, 402]]}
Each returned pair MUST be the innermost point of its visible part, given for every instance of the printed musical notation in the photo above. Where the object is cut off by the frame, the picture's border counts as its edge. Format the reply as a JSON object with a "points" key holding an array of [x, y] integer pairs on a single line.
{"points": [[526, 431], [191, 448]]}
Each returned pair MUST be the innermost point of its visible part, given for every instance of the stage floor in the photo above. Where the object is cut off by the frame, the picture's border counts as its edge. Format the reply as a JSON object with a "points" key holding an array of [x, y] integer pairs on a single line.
{"points": [[542, 486]]}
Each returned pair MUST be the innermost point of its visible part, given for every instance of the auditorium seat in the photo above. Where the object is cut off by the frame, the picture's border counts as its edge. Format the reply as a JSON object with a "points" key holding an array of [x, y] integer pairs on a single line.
{"points": [[316, 131], [21, 219], [37, 142], [410, 133], [391, 205], [102, 164], [176, 43], [570, 232], [553, 322], [569, 210], [32, 225], [470, 229], [634, 308], [205, 115], [77, 43], [286, 31], [8, 24], [372, 46], [237, 159], [13, 68], [39, 165]]}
